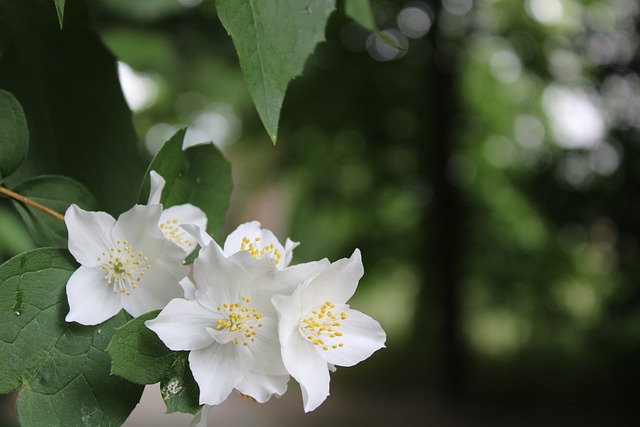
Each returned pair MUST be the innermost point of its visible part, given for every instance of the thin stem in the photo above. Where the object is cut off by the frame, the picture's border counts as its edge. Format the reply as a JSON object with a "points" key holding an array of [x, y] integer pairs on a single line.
{"points": [[31, 203]]}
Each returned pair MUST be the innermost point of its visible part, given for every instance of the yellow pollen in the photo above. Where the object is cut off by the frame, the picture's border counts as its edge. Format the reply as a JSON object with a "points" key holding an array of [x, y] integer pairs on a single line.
{"points": [[173, 232], [321, 323], [258, 252], [239, 317], [122, 273]]}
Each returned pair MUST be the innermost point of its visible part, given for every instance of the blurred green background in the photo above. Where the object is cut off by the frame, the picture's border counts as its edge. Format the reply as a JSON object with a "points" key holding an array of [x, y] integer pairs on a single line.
{"points": [[489, 172]]}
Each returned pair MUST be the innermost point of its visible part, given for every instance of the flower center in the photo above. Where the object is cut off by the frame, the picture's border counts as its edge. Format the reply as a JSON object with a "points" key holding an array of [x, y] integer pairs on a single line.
{"points": [[173, 232], [322, 324], [239, 317], [123, 267], [257, 252]]}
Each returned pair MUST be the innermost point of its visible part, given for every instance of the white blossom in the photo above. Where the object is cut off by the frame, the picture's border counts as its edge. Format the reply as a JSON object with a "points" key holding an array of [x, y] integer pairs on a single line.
{"points": [[174, 217], [124, 264], [318, 330]]}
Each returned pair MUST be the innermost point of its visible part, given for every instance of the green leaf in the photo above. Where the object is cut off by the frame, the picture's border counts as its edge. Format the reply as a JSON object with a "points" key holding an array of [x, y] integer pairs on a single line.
{"points": [[179, 389], [200, 176], [14, 136], [67, 82], [57, 193], [139, 356], [360, 11], [64, 366], [60, 11], [273, 40]]}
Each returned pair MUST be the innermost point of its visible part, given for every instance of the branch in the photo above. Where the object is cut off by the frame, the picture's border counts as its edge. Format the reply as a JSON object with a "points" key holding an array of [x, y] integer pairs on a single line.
{"points": [[31, 203]]}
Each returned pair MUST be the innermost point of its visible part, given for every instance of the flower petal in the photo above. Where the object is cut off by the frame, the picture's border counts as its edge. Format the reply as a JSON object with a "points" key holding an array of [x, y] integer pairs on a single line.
{"points": [[91, 298], [185, 214], [188, 287], [361, 336], [305, 362], [153, 292], [139, 226], [218, 280], [285, 282], [218, 369], [182, 324], [262, 387], [337, 283], [289, 246], [155, 189], [267, 358], [89, 234], [250, 233], [289, 315], [170, 259], [199, 234], [233, 243], [173, 217]]}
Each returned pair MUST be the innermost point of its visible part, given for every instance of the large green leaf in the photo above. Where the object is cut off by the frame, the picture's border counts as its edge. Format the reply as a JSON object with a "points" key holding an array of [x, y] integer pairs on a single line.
{"points": [[14, 136], [57, 193], [64, 366], [200, 176], [273, 40], [67, 83], [141, 357]]}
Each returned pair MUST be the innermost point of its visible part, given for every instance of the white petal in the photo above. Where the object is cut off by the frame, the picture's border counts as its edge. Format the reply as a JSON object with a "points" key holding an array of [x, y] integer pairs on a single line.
{"points": [[289, 246], [285, 282], [188, 287], [199, 234], [218, 369], [89, 234], [173, 217], [262, 387], [156, 186], [91, 298], [169, 259], [153, 292], [139, 227], [289, 315], [182, 324], [251, 264], [337, 283], [305, 362], [218, 280], [233, 242], [260, 237], [361, 336], [267, 358], [185, 214]]}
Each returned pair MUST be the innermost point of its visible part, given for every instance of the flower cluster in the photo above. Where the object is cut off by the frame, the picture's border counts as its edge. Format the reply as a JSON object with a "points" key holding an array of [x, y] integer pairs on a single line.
{"points": [[248, 318]]}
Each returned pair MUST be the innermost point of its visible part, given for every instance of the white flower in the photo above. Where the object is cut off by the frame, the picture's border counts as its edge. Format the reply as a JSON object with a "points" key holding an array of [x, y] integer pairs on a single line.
{"points": [[175, 216], [249, 242], [318, 330], [125, 264], [249, 246], [230, 328]]}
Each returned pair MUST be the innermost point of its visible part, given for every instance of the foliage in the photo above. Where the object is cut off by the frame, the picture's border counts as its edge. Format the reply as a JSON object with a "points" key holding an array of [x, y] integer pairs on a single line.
{"points": [[67, 137], [65, 366]]}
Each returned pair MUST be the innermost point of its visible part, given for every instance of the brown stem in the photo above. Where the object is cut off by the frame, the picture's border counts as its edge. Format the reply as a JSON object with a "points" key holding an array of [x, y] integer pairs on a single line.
{"points": [[31, 203]]}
